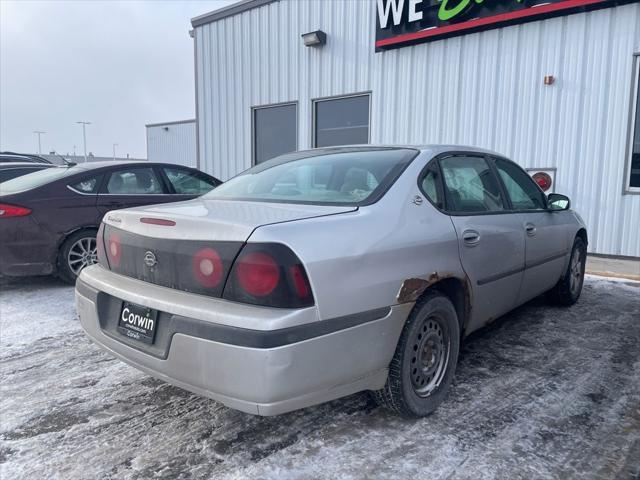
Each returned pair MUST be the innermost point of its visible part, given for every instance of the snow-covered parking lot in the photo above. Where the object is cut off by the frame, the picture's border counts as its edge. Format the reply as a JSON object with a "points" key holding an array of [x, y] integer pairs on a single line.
{"points": [[543, 393]]}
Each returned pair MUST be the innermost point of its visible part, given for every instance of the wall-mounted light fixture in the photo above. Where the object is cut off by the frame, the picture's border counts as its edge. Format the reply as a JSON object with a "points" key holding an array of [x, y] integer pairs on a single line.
{"points": [[314, 39], [549, 80]]}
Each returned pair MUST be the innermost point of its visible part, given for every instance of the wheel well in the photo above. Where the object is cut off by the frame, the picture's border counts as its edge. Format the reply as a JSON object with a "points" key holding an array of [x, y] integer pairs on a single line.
{"points": [[582, 233], [66, 236], [458, 292]]}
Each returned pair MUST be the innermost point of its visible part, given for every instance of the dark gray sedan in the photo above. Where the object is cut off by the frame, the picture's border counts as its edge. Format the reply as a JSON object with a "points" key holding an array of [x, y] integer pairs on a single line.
{"points": [[49, 218]]}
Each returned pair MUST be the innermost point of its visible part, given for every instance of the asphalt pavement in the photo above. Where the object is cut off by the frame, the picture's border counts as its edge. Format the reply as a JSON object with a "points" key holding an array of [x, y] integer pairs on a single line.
{"points": [[544, 392]]}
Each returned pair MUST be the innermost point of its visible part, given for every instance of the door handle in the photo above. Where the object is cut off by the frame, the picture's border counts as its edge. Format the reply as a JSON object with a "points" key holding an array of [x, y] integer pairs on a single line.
{"points": [[470, 237], [530, 229]]}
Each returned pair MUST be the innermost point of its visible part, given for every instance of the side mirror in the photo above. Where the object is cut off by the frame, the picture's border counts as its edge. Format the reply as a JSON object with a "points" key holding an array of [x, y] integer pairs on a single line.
{"points": [[558, 202]]}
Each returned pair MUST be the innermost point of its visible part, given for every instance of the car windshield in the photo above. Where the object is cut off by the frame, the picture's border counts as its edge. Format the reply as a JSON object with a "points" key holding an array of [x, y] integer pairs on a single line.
{"points": [[344, 176], [33, 180]]}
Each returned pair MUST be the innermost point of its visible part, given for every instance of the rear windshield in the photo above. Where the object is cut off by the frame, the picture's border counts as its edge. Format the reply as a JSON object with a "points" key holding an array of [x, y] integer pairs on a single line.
{"points": [[322, 177], [33, 180]]}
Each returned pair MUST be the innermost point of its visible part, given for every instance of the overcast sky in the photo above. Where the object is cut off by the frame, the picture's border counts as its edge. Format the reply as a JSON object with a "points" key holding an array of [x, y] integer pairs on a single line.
{"points": [[118, 64]]}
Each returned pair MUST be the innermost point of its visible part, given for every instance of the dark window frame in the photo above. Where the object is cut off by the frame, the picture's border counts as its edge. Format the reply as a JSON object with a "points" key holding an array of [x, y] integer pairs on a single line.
{"points": [[314, 104], [433, 165], [253, 125], [632, 126]]}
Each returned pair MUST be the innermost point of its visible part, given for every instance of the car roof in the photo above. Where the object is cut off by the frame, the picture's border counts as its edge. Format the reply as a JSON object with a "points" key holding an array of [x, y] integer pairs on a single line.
{"points": [[26, 156], [434, 149], [121, 163], [6, 165]]}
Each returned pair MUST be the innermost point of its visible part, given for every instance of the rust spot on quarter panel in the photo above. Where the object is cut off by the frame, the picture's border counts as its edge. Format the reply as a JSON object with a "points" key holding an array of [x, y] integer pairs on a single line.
{"points": [[412, 288]]}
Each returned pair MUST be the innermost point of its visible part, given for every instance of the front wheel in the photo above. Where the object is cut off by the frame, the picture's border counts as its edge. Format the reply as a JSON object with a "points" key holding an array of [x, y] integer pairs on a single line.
{"points": [[425, 360], [78, 251], [568, 289]]}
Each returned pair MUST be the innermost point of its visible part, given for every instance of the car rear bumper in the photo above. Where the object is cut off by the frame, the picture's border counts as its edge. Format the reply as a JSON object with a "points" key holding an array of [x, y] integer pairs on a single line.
{"points": [[259, 360], [25, 259], [25, 248]]}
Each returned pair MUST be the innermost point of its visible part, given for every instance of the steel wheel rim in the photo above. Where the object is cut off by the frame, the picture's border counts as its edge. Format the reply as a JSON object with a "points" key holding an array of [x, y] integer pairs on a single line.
{"points": [[575, 271], [82, 253], [429, 356]]}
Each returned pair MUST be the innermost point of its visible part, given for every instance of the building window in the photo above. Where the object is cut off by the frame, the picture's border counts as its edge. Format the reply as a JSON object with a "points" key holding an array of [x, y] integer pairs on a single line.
{"points": [[634, 148], [275, 131], [341, 121]]}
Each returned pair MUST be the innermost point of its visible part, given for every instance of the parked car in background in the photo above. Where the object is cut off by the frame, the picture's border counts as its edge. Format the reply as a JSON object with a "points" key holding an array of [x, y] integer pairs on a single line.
{"points": [[9, 170], [319, 274], [21, 157], [49, 218]]}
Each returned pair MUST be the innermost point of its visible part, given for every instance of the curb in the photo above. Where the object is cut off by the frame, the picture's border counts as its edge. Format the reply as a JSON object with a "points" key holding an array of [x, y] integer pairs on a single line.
{"points": [[613, 274]]}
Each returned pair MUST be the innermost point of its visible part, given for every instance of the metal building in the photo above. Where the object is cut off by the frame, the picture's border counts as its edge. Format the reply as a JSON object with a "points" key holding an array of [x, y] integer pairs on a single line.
{"points": [[551, 84], [172, 142]]}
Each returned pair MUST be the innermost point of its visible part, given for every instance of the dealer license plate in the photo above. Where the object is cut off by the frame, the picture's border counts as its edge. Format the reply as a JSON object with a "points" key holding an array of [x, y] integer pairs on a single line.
{"points": [[138, 322]]}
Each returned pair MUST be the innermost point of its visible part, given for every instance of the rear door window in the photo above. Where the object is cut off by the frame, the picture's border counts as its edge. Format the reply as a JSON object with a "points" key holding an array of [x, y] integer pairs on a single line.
{"points": [[429, 185], [134, 181], [86, 185], [471, 186], [187, 182]]}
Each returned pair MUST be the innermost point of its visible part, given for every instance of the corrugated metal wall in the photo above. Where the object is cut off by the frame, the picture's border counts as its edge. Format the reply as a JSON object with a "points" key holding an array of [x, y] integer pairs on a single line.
{"points": [[484, 89], [173, 142]]}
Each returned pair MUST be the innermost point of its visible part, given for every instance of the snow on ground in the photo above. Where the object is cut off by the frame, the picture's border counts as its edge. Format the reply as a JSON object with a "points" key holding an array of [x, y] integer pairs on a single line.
{"points": [[544, 392]]}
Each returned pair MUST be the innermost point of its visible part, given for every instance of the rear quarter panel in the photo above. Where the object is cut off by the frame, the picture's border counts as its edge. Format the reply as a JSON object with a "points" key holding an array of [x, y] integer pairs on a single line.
{"points": [[58, 211], [358, 261]]}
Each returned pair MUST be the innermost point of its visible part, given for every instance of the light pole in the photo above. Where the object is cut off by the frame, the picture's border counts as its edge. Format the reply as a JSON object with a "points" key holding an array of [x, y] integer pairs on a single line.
{"points": [[38, 132], [114, 151], [84, 137]]}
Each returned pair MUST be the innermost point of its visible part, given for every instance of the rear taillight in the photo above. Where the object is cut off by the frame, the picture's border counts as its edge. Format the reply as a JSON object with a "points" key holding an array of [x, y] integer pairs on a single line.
{"points": [[258, 274], [268, 274], [114, 249], [207, 267], [7, 210], [300, 281]]}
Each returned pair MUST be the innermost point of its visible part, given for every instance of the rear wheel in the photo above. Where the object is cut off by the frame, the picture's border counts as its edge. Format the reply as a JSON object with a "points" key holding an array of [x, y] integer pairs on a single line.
{"points": [[77, 252], [568, 289], [425, 360]]}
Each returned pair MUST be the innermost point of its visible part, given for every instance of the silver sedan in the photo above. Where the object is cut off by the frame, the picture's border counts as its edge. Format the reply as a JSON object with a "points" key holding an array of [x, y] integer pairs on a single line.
{"points": [[322, 273]]}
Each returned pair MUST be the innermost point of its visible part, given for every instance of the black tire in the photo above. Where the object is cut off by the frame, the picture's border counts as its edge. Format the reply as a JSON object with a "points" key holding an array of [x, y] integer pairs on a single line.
{"points": [[68, 265], [567, 290], [405, 393]]}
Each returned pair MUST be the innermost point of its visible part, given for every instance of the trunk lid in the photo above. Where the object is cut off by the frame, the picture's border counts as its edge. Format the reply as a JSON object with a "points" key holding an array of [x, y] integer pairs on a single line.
{"points": [[214, 220], [190, 246]]}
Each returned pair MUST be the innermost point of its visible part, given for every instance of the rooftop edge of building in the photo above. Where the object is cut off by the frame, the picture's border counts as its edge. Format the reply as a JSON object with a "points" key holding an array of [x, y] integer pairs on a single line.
{"points": [[228, 11]]}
